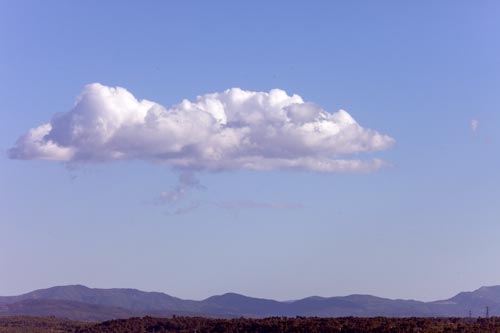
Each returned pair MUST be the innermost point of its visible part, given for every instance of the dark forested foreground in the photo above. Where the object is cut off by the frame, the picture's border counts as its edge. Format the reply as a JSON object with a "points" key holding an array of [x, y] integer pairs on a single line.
{"points": [[242, 325], [299, 324]]}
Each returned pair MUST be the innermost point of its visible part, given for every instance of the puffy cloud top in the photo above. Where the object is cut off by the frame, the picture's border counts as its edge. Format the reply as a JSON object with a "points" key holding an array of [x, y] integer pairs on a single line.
{"points": [[234, 129]]}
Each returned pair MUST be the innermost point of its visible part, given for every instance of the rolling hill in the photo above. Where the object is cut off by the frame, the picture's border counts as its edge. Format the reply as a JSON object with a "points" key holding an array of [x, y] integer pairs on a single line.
{"points": [[83, 303]]}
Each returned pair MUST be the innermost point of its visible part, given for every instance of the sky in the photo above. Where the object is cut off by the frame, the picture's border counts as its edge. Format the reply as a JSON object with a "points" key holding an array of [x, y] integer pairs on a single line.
{"points": [[274, 149]]}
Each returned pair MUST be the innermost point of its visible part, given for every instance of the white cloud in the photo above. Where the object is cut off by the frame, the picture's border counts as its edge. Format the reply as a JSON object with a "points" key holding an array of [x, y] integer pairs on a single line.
{"points": [[474, 124], [234, 129]]}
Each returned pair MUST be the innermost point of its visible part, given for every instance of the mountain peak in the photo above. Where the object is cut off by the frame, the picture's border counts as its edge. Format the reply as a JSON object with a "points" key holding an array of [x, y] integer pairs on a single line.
{"points": [[233, 297]]}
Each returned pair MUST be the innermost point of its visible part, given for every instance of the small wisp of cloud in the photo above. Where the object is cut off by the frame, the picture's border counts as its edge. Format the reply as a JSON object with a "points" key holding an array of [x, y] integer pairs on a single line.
{"points": [[186, 183], [251, 204], [474, 125], [235, 206]]}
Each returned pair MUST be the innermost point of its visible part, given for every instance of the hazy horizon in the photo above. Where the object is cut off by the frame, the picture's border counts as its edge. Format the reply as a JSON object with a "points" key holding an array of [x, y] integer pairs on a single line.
{"points": [[251, 296]]}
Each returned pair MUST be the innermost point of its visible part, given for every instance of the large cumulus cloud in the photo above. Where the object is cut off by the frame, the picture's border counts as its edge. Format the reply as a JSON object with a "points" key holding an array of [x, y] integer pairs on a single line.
{"points": [[234, 129]]}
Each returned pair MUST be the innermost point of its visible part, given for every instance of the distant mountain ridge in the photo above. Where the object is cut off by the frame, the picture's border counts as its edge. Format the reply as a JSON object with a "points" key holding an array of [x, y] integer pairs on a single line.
{"points": [[83, 303]]}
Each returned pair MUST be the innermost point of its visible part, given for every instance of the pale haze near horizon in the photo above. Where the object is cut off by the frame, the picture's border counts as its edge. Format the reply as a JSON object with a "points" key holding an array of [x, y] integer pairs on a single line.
{"points": [[424, 226]]}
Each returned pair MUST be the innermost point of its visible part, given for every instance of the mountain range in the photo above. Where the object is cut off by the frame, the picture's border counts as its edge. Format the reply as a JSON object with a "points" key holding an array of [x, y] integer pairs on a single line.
{"points": [[91, 304]]}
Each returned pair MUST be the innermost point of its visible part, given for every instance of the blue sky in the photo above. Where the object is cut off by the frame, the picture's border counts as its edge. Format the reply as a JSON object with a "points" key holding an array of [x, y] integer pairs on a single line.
{"points": [[420, 72]]}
